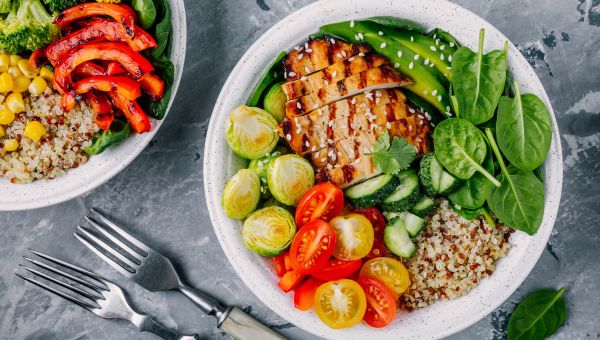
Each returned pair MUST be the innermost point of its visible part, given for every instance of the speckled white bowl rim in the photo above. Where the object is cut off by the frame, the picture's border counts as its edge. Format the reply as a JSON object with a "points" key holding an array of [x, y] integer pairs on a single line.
{"points": [[100, 168], [442, 318]]}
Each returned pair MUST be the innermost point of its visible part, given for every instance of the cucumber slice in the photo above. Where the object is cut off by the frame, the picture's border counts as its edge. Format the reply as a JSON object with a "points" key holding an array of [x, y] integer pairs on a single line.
{"points": [[397, 239], [423, 207], [406, 194], [435, 179], [371, 191]]}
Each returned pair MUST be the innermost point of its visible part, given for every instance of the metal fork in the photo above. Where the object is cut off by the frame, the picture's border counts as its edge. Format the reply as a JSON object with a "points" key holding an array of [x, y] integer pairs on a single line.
{"points": [[155, 272], [100, 296]]}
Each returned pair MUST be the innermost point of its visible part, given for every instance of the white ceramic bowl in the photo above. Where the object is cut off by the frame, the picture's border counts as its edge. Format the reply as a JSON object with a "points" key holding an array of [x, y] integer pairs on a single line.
{"points": [[442, 318], [99, 168]]}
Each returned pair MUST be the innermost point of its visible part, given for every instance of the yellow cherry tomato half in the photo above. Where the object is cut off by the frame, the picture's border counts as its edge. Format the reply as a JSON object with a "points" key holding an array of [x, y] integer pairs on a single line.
{"points": [[354, 235], [340, 304], [389, 271]]}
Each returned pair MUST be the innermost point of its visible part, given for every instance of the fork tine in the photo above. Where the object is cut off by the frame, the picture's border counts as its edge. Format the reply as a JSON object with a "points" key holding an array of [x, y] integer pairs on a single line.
{"points": [[118, 242], [67, 275], [118, 266], [107, 248], [122, 232], [64, 284], [59, 293]]}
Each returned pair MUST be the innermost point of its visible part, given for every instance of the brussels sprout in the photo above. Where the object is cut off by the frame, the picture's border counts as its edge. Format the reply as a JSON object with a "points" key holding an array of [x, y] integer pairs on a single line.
{"points": [[260, 166], [269, 231], [272, 202], [289, 177], [241, 194], [252, 132], [274, 102]]}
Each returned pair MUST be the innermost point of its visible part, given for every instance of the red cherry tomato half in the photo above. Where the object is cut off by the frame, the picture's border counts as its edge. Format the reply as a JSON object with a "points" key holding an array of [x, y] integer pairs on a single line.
{"points": [[324, 201], [337, 269], [381, 303], [378, 221], [304, 295], [312, 247], [290, 280]]}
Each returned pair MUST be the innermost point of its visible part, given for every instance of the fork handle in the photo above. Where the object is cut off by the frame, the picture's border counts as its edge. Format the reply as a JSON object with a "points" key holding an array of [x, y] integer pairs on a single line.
{"points": [[244, 327], [147, 324]]}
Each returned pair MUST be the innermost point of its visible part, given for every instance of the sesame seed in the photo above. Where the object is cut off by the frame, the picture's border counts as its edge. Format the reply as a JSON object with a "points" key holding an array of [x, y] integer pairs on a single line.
{"points": [[351, 59], [361, 54], [411, 65], [329, 166], [316, 107], [326, 82], [411, 110], [298, 131], [426, 62], [399, 54], [306, 69], [418, 139], [330, 141], [337, 166], [323, 160], [380, 33], [298, 48], [292, 74], [416, 57], [307, 144], [437, 41], [449, 114], [332, 40], [317, 154], [388, 125], [306, 45], [410, 127], [451, 44], [396, 65], [352, 126], [377, 100], [339, 154], [357, 161], [300, 56], [343, 54], [439, 98], [420, 116], [442, 56], [412, 39], [288, 136], [447, 108], [299, 106], [361, 36], [433, 48], [450, 58], [339, 55], [322, 145], [353, 101], [425, 92], [351, 23], [431, 65], [334, 74], [383, 45], [434, 93], [363, 105], [442, 47]]}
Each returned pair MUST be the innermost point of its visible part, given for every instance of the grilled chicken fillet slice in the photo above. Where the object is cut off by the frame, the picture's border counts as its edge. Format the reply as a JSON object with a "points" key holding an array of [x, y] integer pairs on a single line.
{"points": [[347, 175], [334, 73]]}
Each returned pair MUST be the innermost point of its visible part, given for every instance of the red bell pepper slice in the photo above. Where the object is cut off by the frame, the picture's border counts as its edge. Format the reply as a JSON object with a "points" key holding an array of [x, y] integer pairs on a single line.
{"points": [[152, 85], [290, 280], [88, 69], [102, 107], [113, 68], [133, 62], [304, 295], [279, 265], [38, 58], [120, 13], [104, 29], [124, 86], [133, 112]]}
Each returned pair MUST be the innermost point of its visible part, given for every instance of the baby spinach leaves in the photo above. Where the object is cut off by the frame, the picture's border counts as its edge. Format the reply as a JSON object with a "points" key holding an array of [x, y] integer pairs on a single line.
{"points": [[538, 316], [108, 137], [392, 158], [519, 201], [146, 12], [478, 81], [273, 74], [473, 193], [523, 129], [461, 148]]}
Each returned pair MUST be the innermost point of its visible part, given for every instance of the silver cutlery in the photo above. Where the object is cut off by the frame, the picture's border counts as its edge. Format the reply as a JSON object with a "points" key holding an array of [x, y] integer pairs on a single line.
{"points": [[94, 293], [153, 271]]}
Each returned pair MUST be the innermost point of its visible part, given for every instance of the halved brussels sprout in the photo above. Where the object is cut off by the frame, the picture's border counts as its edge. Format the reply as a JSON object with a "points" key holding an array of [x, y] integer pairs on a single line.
{"points": [[252, 132], [272, 202], [269, 231], [241, 194], [274, 102], [289, 177], [261, 166]]}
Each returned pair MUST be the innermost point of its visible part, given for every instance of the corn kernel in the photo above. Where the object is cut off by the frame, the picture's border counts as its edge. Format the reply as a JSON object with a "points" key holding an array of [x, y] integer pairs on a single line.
{"points": [[2, 133], [20, 84], [34, 130], [14, 59], [27, 70], [37, 86], [4, 62], [14, 71], [15, 103], [46, 73], [11, 144], [6, 116], [6, 82]]}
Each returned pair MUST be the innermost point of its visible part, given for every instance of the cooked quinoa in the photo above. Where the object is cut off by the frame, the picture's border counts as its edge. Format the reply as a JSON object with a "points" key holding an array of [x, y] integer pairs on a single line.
{"points": [[59, 150], [453, 255]]}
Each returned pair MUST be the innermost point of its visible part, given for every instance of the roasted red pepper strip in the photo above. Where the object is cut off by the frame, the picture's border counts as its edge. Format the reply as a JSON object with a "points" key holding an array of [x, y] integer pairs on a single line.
{"points": [[124, 86], [133, 112], [102, 107], [113, 68], [133, 62], [104, 29], [88, 69], [38, 58], [121, 13], [152, 85]]}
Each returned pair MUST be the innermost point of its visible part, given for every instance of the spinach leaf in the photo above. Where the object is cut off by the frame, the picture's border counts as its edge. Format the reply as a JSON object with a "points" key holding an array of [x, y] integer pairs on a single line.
{"points": [[524, 130], [165, 69], [108, 138], [471, 214], [473, 193], [519, 201], [146, 11], [461, 148], [273, 74], [162, 31], [444, 36], [396, 23], [478, 81], [538, 316], [539, 173]]}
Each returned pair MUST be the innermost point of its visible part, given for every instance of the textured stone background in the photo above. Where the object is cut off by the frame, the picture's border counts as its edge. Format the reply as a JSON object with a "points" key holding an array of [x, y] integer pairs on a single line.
{"points": [[160, 195]]}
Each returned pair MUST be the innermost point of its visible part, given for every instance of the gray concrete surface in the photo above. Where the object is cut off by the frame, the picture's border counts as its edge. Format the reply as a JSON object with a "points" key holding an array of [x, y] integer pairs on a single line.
{"points": [[160, 195]]}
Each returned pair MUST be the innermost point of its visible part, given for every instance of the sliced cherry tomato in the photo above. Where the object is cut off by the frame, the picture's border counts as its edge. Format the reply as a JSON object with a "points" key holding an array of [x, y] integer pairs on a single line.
{"points": [[304, 295], [312, 246], [337, 269], [389, 271], [324, 201], [290, 280], [340, 304], [279, 263], [381, 303], [378, 221], [354, 235]]}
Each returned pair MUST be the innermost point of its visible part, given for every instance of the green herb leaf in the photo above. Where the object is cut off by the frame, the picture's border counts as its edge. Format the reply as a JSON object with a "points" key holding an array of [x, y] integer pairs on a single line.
{"points": [[108, 138], [392, 158], [538, 316]]}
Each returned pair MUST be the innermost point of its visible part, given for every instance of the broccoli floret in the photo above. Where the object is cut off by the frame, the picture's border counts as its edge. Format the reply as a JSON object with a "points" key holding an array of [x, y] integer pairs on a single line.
{"points": [[6, 6], [27, 27], [56, 6]]}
